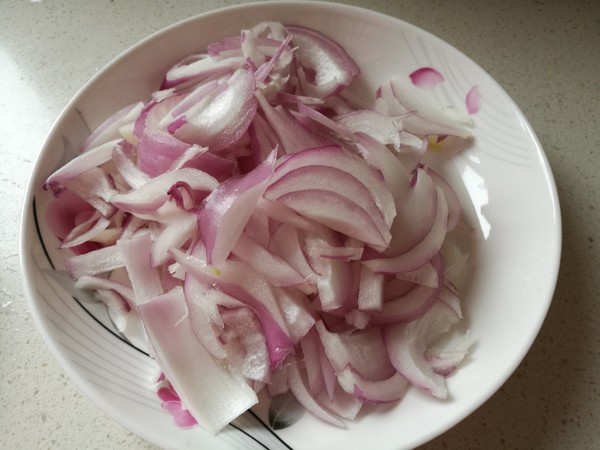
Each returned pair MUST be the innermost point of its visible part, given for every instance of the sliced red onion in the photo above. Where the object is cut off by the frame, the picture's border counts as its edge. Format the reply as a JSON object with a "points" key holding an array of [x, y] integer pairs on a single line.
{"points": [[204, 328], [336, 212], [283, 214], [245, 344], [150, 196], [263, 139], [219, 167], [173, 235], [286, 242], [292, 134], [196, 100], [445, 360], [473, 100], [242, 283], [66, 212], [300, 391], [96, 187], [181, 416], [86, 231], [412, 304], [426, 77], [325, 67], [297, 312], [226, 47], [334, 278], [425, 275], [370, 292], [271, 266], [94, 262], [312, 363], [367, 354], [149, 120], [94, 283], [212, 393], [380, 157], [291, 99], [454, 209], [337, 157], [336, 225], [259, 228], [338, 130], [329, 376], [118, 309], [145, 279], [109, 129], [330, 180], [425, 116], [407, 343], [265, 69], [334, 347], [228, 208], [157, 152], [225, 118], [423, 251], [365, 390], [199, 67], [201, 295], [85, 161], [372, 123], [351, 250], [357, 319], [128, 169], [341, 403]]}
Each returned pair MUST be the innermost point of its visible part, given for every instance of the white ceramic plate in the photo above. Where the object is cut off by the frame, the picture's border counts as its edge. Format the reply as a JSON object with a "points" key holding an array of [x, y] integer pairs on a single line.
{"points": [[503, 180]]}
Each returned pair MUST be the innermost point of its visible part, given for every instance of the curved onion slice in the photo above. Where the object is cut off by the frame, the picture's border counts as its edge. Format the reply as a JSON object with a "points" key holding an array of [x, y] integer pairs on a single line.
{"points": [[86, 161], [426, 77], [337, 157], [110, 129], [225, 118], [372, 123], [150, 196], [473, 100], [332, 180], [228, 208], [407, 343], [325, 67]]}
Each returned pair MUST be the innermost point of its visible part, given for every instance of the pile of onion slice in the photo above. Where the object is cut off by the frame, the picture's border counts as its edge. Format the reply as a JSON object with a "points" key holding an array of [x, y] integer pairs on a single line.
{"points": [[256, 229]]}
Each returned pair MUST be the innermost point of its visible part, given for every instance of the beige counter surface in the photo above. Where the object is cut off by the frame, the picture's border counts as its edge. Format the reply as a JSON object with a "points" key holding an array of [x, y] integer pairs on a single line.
{"points": [[546, 55]]}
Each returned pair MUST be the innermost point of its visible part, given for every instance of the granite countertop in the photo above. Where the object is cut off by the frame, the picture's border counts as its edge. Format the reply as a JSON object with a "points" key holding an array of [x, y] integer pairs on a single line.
{"points": [[545, 54]]}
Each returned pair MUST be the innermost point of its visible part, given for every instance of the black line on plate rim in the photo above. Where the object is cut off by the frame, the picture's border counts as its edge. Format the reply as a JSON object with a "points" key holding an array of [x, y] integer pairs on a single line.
{"points": [[43, 244], [70, 330], [39, 233], [269, 429], [249, 435], [122, 339]]}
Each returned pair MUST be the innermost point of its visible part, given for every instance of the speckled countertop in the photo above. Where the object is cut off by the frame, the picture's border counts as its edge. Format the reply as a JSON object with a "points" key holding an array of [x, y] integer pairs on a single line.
{"points": [[546, 54]]}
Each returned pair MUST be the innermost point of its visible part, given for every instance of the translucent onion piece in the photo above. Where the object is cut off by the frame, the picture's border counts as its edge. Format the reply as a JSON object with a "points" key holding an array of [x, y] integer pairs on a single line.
{"points": [[325, 67], [426, 77], [211, 391], [473, 100], [228, 208], [407, 343]]}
